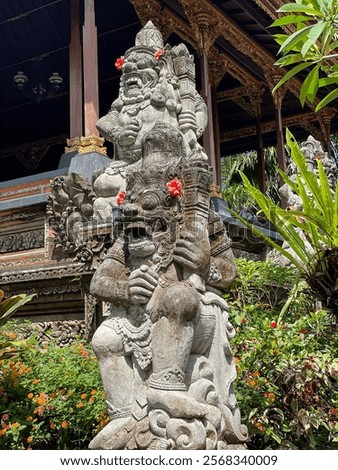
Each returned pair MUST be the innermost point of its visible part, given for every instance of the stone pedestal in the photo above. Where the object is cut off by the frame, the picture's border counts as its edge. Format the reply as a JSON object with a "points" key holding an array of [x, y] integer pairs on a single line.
{"points": [[86, 164]]}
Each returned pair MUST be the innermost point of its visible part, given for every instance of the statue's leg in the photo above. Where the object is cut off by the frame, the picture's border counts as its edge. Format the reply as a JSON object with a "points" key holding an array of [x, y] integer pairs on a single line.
{"points": [[117, 377], [171, 344]]}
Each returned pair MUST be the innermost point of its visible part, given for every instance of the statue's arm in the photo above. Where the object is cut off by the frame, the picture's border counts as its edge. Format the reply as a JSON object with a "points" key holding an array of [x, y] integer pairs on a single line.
{"points": [[110, 282], [222, 270], [109, 125], [113, 283]]}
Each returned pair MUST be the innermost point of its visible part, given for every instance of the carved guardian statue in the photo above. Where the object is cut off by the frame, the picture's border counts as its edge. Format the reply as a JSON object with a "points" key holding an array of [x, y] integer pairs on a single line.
{"points": [[164, 351]]}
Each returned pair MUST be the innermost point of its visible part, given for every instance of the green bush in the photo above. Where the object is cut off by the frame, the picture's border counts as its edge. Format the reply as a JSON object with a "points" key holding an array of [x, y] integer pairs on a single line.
{"points": [[287, 360], [50, 397], [287, 364]]}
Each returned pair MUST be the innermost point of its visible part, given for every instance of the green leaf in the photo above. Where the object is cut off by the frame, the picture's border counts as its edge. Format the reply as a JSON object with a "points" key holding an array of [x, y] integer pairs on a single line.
{"points": [[333, 45], [298, 68], [280, 38], [328, 81], [289, 19], [10, 305], [310, 86], [298, 8], [314, 34], [294, 39], [335, 218], [283, 223], [327, 195], [328, 98], [289, 59]]}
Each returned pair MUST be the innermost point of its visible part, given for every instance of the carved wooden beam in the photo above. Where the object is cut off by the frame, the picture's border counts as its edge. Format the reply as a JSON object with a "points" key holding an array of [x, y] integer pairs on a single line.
{"points": [[222, 25], [169, 22], [270, 7], [232, 93], [301, 119]]}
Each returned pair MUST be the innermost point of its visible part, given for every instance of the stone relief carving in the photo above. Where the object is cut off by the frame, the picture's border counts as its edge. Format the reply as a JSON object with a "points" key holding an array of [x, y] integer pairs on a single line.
{"points": [[71, 221], [164, 350], [62, 271], [22, 241], [63, 332]]}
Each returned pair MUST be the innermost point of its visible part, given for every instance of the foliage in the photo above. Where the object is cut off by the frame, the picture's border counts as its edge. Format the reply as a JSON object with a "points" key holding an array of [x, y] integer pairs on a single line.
{"points": [[316, 225], [50, 397], [312, 46], [234, 192], [8, 306], [287, 362]]}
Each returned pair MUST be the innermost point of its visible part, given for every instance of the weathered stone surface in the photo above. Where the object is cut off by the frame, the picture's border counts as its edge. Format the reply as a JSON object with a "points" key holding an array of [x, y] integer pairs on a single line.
{"points": [[164, 350]]}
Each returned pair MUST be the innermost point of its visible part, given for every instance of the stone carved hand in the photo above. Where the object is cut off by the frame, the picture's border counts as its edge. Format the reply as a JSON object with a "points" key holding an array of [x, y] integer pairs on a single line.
{"points": [[142, 283], [129, 132], [193, 253]]}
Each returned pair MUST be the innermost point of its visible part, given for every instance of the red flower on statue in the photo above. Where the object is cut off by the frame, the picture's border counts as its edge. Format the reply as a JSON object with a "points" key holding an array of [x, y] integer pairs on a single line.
{"points": [[119, 63], [158, 54], [120, 198], [174, 188]]}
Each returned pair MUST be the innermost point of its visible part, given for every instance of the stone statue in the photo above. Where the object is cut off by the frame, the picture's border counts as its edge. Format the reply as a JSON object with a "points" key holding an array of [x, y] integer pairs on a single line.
{"points": [[157, 85], [164, 351]]}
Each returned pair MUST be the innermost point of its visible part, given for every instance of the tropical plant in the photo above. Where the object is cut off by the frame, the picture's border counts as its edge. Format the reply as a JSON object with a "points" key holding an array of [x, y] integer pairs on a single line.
{"points": [[315, 226], [234, 192], [287, 360], [50, 397], [311, 48], [8, 306]]}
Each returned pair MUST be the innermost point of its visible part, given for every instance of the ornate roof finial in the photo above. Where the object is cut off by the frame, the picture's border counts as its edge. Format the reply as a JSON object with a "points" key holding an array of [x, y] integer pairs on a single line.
{"points": [[149, 36]]}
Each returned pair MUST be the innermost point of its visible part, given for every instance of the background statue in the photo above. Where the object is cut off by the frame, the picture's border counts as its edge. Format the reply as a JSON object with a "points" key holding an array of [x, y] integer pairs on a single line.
{"points": [[164, 351]]}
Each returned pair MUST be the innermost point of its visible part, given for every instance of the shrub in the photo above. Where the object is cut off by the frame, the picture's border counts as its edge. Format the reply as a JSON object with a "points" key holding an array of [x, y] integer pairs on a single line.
{"points": [[287, 361], [50, 397]]}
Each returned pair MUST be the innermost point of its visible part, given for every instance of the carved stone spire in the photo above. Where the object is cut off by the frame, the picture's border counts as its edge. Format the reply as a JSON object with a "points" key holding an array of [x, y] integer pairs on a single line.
{"points": [[149, 36]]}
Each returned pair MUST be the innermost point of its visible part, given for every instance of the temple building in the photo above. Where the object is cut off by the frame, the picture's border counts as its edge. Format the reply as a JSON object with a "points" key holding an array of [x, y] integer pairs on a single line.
{"points": [[58, 76]]}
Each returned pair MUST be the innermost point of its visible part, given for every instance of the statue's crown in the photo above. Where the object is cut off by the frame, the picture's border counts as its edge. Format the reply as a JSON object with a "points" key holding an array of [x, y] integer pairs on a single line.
{"points": [[149, 36]]}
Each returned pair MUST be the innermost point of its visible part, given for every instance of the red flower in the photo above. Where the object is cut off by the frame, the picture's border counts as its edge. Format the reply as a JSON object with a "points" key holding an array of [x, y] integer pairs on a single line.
{"points": [[120, 198], [174, 188], [119, 63], [158, 54], [273, 324], [243, 321], [303, 331]]}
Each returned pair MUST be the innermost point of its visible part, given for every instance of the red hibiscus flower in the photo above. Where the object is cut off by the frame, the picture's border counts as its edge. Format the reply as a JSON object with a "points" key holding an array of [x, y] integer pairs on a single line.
{"points": [[119, 63], [174, 188], [158, 54], [273, 324], [120, 198], [303, 331]]}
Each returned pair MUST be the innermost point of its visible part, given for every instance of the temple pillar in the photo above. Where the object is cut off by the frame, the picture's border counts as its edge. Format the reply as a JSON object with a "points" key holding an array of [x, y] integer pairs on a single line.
{"points": [[272, 77], [257, 108], [325, 117], [75, 73], [90, 70], [85, 153], [205, 32]]}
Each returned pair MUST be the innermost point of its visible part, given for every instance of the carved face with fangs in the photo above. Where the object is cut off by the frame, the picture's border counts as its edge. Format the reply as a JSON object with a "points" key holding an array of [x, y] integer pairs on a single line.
{"points": [[150, 221], [140, 72]]}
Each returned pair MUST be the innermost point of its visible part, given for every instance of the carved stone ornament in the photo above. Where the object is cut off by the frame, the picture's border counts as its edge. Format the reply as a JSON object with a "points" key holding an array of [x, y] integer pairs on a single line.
{"points": [[164, 350], [72, 226], [22, 241], [62, 332]]}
